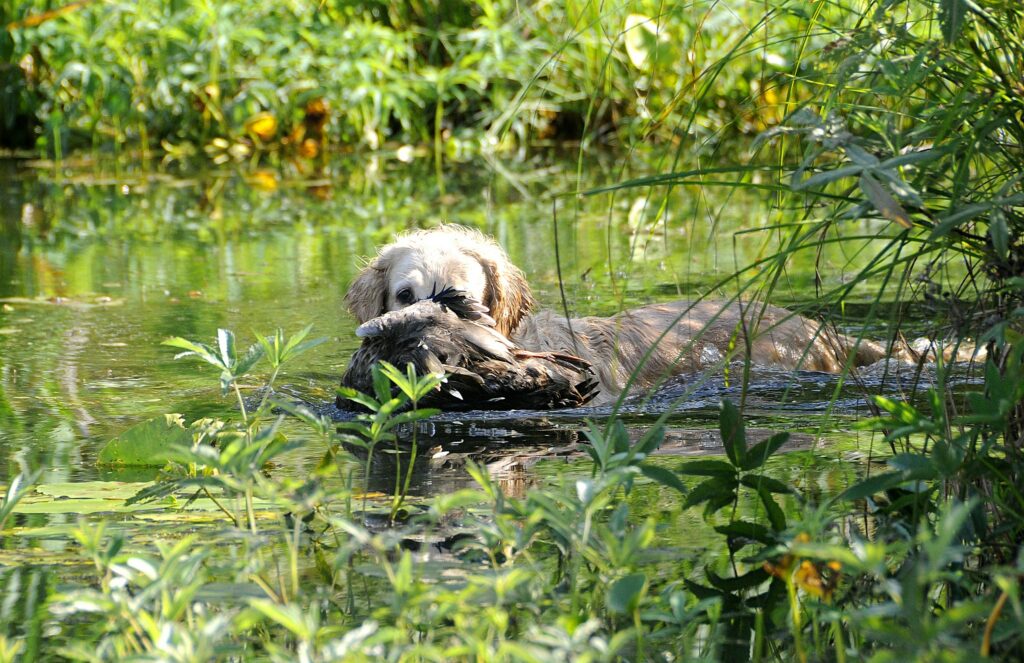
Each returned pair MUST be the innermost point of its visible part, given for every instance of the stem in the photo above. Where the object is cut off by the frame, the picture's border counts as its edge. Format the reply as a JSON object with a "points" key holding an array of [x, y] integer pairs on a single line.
{"points": [[294, 556], [794, 608], [438, 152], [241, 406], [840, 643], [269, 388], [249, 509], [408, 470], [221, 506], [396, 498], [990, 625], [366, 473]]}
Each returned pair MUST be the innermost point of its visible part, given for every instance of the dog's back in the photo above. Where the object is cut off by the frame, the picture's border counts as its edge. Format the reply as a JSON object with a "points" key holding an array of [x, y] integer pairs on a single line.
{"points": [[661, 340]]}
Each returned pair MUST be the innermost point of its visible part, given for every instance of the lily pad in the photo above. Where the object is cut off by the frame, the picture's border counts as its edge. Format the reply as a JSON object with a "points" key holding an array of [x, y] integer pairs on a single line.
{"points": [[147, 443], [109, 497], [102, 490]]}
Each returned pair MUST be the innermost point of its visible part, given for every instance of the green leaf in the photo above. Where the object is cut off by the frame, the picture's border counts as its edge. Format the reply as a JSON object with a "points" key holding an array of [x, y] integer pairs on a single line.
{"points": [[746, 581], [664, 477], [1000, 234], [860, 156], [741, 529], [619, 436], [201, 350], [226, 343], [359, 397], [760, 452], [289, 616], [825, 177], [650, 441], [913, 466], [901, 411], [713, 487], [702, 592], [730, 423], [707, 468], [869, 487], [772, 509], [294, 341], [883, 201], [952, 15], [245, 364], [147, 443], [19, 486], [625, 593], [381, 383], [759, 481]]}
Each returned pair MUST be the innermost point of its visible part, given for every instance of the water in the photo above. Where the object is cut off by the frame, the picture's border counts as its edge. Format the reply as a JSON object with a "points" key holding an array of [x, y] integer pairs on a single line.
{"points": [[97, 267]]}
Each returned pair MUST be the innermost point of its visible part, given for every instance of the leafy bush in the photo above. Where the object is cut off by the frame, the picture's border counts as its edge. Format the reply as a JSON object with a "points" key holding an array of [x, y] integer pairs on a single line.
{"points": [[237, 81]]}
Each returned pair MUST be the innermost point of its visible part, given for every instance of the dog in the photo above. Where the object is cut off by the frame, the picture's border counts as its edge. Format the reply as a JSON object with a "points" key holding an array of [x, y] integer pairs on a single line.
{"points": [[451, 333], [636, 349]]}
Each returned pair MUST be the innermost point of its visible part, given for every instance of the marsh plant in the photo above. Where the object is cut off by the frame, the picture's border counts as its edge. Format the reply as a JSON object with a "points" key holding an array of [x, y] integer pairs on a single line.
{"points": [[235, 82], [921, 560]]}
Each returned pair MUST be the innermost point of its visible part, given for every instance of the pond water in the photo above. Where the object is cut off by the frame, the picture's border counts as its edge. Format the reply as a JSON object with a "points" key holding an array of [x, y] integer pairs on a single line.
{"points": [[98, 265]]}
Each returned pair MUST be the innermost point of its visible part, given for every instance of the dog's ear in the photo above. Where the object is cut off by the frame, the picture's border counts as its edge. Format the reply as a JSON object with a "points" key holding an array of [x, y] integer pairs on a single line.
{"points": [[508, 296], [367, 293]]}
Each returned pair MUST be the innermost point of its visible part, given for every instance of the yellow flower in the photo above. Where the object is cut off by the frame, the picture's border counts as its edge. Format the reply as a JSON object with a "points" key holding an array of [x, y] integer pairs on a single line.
{"points": [[262, 125], [309, 148], [263, 180]]}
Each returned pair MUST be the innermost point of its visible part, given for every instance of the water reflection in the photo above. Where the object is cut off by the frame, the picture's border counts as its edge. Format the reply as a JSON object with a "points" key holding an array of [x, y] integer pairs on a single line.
{"points": [[98, 266]]}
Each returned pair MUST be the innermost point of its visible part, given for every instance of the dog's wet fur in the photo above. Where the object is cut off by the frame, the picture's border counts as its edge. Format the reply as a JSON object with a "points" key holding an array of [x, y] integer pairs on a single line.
{"points": [[640, 348]]}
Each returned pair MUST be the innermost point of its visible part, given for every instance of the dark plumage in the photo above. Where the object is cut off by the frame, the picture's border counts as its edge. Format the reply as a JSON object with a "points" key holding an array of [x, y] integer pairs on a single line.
{"points": [[452, 333]]}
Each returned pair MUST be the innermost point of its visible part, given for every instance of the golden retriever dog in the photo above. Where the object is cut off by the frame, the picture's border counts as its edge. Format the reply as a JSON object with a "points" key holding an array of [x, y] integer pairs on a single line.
{"points": [[638, 348]]}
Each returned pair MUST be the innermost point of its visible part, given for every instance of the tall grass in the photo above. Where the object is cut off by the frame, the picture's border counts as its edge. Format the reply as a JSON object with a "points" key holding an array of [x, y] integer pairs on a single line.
{"points": [[902, 120]]}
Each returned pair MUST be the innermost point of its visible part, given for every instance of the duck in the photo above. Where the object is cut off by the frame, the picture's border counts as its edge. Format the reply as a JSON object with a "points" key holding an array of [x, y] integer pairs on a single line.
{"points": [[451, 332]]}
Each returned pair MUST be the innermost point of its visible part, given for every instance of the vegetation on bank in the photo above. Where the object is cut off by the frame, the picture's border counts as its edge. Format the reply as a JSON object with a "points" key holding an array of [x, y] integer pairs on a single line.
{"points": [[235, 81], [901, 119]]}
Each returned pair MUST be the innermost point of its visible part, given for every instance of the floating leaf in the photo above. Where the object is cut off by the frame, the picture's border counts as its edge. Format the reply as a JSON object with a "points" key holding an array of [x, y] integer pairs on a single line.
{"points": [[147, 443]]}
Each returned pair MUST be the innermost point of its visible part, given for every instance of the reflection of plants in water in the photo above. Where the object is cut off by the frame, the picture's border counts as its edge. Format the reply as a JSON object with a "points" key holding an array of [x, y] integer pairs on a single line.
{"points": [[385, 416], [16, 490]]}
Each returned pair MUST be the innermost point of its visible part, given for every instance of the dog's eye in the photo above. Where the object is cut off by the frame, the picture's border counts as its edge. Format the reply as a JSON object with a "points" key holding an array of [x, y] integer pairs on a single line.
{"points": [[404, 297]]}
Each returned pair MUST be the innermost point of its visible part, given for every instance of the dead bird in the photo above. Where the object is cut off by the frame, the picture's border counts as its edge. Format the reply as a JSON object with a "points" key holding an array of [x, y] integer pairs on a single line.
{"points": [[451, 332]]}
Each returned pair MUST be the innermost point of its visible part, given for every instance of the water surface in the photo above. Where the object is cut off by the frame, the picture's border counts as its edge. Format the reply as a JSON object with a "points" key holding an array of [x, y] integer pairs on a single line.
{"points": [[98, 266]]}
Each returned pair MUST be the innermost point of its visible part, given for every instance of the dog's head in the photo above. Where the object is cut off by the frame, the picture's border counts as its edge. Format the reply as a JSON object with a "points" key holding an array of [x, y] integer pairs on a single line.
{"points": [[421, 264]]}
